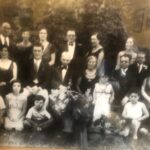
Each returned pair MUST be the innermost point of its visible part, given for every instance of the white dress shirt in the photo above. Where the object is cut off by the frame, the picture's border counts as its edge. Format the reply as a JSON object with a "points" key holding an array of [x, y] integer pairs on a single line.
{"points": [[37, 64], [124, 72], [4, 39], [63, 73]]}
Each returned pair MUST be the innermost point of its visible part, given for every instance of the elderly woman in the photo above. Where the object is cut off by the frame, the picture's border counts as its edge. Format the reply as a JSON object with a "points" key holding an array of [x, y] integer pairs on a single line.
{"points": [[8, 71], [49, 54], [89, 76], [130, 50]]}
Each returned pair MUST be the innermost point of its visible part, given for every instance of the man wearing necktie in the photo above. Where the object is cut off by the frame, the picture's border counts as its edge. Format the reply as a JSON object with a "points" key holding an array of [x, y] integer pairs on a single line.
{"points": [[37, 68], [140, 69], [125, 77]]}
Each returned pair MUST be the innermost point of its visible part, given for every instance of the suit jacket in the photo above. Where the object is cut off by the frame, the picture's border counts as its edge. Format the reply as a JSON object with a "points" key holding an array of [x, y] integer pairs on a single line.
{"points": [[40, 75], [55, 77], [126, 82], [11, 48], [140, 76]]}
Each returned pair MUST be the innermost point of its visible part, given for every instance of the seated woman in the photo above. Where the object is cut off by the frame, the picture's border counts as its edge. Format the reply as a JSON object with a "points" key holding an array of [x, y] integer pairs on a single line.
{"points": [[134, 113], [130, 50], [8, 71], [49, 54], [89, 76], [23, 55], [103, 97], [16, 105]]}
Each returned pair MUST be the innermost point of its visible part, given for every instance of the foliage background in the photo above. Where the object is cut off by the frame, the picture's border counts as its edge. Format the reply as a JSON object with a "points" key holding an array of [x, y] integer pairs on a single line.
{"points": [[86, 16]]}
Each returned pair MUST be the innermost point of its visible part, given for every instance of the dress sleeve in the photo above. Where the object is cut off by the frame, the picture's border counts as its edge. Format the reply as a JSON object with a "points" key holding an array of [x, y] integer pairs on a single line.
{"points": [[2, 104], [29, 114], [47, 114]]}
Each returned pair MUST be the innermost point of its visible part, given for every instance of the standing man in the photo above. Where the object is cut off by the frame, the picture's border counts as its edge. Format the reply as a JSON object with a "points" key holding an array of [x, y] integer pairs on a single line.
{"points": [[5, 38]]}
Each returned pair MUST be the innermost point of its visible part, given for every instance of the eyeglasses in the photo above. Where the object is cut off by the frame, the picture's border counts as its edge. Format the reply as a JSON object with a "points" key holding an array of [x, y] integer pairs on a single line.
{"points": [[123, 61]]}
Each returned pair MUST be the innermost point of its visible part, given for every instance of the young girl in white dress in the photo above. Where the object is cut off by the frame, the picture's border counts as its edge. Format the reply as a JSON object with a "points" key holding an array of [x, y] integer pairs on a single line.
{"points": [[103, 97]]}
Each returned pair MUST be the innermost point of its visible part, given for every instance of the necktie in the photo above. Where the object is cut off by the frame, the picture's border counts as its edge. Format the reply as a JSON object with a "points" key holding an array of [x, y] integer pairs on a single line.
{"points": [[36, 66], [5, 41], [70, 43]]}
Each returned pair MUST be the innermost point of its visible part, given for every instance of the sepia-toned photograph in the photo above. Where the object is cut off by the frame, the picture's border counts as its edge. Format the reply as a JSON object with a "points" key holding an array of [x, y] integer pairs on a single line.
{"points": [[75, 74]]}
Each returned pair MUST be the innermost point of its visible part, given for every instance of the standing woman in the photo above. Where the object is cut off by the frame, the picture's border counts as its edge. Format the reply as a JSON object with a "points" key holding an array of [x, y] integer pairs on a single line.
{"points": [[23, 54], [130, 50], [98, 52], [8, 71], [49, 54]]}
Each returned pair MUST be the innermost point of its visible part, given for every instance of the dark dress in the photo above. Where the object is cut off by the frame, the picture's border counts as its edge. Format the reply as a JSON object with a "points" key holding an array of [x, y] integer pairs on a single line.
{"points": [[100, 69], [23, 55], [87, 83], [6, 76], [48, 51]]}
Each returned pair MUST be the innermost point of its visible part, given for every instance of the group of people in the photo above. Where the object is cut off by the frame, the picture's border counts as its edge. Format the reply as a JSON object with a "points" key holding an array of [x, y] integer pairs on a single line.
{"points": [[29, 72]]}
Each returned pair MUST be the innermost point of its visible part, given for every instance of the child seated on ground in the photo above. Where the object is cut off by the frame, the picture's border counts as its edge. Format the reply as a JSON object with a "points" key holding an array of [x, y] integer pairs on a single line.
{"points": [[2, 111], [134, 113], [37, 117]]}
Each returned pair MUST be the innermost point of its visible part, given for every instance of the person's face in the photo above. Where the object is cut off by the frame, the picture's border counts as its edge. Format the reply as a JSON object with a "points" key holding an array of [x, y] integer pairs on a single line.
{"points": [[26, 35], [6, 29], [129, 43], [134, 98], [124, 62], [16, 88], [4, 53], [37, 52], [92, 63], [39, 104], [65, 60], [141, 58], [103, 79], [43, 34], [94, 40], [71, 36]]}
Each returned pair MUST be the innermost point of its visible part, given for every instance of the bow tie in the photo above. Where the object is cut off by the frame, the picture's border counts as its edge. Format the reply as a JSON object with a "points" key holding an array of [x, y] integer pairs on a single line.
{"points": [[70, 43], [64, 67]]}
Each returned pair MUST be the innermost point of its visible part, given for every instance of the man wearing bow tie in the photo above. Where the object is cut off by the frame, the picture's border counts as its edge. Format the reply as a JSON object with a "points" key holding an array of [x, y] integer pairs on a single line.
{"points": [[124, 76], [140, 69], [62, 74], [5, 38]]}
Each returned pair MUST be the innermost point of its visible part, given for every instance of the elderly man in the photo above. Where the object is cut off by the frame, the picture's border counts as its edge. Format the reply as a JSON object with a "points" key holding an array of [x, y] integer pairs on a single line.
{"points": [[124, 76]]}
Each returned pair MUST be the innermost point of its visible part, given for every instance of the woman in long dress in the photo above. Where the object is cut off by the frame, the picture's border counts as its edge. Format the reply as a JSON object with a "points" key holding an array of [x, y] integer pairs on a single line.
{"points": [[103, 97], [49, 53]]}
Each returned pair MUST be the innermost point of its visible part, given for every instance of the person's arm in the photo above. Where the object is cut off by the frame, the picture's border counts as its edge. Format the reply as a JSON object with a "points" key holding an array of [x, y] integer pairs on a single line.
{"points": [[94, 96], [112, 95], [14, 72], [118, 59], [100, 59], [143, 92], [78, 85], [145, 113], [53, 58], [23, 110]]}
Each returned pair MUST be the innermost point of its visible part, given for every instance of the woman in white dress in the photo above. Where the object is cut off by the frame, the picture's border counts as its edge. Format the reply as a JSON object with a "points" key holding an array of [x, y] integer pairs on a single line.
{"points": [[103, 96]]}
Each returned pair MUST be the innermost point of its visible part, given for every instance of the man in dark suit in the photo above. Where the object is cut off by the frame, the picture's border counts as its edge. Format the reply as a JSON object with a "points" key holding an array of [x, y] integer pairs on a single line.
{"points": [[61, 74], [37, 68], [140, 69], [5, 39], [76, 51], [125, 77]]}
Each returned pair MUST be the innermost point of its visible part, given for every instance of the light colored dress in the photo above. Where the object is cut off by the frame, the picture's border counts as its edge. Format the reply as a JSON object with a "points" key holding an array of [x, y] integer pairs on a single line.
{"points": [[102, 95], [15, 106]]}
